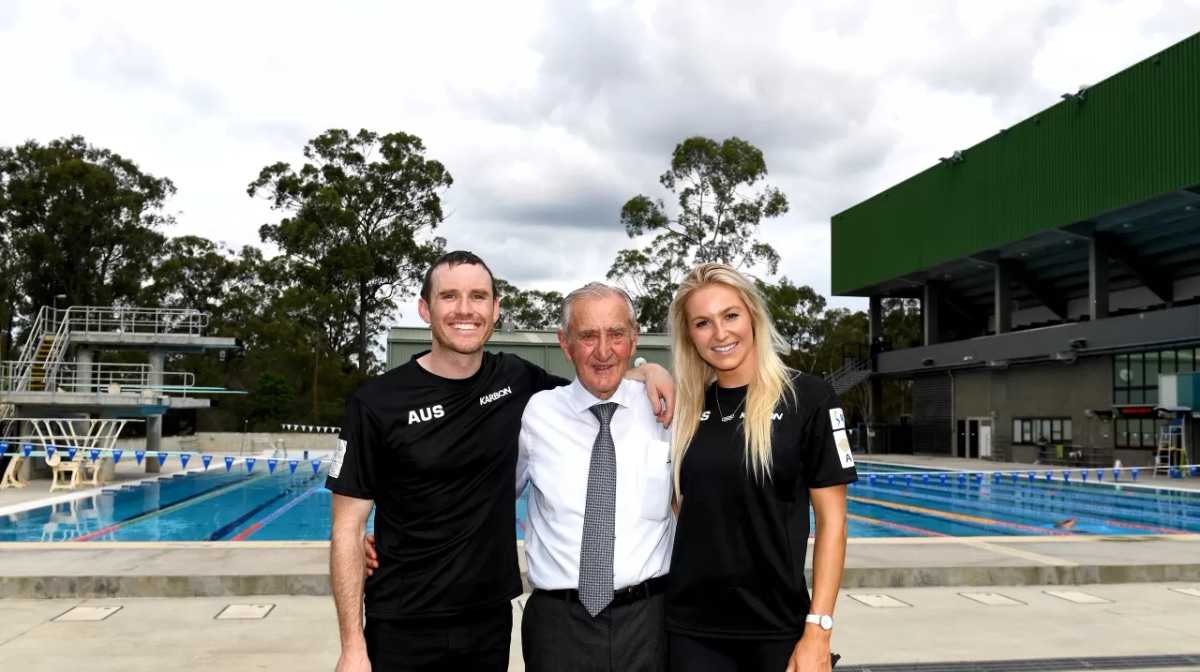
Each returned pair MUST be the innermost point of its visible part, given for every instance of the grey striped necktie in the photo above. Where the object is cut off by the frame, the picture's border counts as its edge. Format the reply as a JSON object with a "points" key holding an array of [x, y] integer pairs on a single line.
{"points": [[596, 551]]}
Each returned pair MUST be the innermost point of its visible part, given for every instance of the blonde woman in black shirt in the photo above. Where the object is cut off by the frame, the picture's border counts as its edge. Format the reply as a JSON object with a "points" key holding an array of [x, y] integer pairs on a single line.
{"points": [[753, 443]]}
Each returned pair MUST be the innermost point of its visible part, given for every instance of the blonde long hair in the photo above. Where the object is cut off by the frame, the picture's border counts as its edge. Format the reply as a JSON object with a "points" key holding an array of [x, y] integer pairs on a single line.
{"points": [[772, 378]]}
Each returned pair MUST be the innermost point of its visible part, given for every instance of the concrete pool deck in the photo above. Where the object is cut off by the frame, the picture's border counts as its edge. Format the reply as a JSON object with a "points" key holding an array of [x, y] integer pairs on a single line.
{"points": [[933, 626]]}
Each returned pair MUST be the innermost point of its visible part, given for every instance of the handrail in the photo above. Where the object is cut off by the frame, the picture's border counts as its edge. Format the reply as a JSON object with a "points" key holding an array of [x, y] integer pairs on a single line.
{"points": [[73, 378], [58, 349], [135, 320], [32, 343]]}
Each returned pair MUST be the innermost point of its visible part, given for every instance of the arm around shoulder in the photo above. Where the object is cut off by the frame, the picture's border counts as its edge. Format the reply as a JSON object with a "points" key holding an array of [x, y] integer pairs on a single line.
{"points": [[660, 388]]}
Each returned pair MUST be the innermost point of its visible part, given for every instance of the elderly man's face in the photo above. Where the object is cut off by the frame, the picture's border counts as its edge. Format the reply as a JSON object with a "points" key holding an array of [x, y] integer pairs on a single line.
{"points": [[600, 343]]}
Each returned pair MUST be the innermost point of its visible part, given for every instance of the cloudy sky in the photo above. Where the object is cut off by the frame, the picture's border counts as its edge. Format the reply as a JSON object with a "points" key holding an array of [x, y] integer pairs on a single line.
{"points": [[551, 114]]}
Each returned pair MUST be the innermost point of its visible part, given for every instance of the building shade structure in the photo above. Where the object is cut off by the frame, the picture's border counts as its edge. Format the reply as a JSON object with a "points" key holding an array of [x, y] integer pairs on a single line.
{"points": [[1056, 264]]}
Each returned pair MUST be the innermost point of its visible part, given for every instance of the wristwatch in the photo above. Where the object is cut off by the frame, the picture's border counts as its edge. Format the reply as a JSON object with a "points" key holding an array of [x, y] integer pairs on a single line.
{"points": [[823, 620]]}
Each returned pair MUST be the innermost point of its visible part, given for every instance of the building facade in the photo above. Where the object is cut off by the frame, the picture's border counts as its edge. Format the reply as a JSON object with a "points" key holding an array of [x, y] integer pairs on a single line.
{"points": [[1057, 264]]}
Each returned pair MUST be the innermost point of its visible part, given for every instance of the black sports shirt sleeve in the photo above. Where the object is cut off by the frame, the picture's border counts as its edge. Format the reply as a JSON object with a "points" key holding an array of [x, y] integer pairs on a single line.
{"points": [[826, 445], [354, 471]]}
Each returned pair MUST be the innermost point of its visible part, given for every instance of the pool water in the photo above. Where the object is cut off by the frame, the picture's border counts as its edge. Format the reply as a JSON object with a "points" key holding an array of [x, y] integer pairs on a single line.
{"points": [[234, 505]]}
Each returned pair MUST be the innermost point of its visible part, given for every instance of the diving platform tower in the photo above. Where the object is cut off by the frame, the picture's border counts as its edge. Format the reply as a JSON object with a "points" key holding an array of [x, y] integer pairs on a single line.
{"points": [[56, 375]]}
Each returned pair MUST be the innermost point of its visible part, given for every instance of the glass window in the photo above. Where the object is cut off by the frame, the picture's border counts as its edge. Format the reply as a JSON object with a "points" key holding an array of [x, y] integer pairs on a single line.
{"points": [[1150, 364], [1016, 435], [1136, 377], [1151, 395], [1166, 361], [1122, 427], [1121, 397], [1185, 361], [1067, 430], [1121, 371]]}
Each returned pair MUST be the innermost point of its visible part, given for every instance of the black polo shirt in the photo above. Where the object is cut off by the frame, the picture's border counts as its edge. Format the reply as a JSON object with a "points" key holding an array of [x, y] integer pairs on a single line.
{"points": [[439, 457], [737, 569]]}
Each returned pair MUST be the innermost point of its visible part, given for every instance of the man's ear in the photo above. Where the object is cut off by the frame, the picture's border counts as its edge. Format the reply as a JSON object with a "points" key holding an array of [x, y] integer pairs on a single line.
{"points": [[562, 343]]}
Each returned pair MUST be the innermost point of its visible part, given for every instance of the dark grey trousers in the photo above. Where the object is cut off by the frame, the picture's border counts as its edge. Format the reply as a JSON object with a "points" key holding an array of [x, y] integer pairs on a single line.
{"points": [[560, 636]]}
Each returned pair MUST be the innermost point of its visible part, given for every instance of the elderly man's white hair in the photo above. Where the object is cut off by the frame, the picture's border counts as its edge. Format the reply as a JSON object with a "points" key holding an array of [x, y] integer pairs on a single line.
{"points": [[595, 290]]}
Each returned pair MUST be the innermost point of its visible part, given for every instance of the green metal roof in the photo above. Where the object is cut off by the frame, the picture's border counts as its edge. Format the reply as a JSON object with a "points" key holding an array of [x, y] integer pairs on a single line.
{"points": [[1134, 136]]}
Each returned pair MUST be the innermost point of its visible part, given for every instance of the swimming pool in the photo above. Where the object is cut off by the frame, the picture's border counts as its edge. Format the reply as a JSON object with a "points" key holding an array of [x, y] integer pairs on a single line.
{"points": [[235, 505]]}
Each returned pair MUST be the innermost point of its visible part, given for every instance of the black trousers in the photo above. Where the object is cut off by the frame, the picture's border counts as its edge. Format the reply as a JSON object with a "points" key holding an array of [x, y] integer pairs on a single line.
{"points": [[478, 642], [692, 654], [559, 635]]}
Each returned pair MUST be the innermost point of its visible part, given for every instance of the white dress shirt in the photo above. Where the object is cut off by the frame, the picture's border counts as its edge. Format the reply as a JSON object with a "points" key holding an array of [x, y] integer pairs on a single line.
{"points": [[557, 433]]}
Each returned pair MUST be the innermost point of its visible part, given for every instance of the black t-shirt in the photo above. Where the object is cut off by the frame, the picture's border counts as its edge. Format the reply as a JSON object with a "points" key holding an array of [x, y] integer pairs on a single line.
{"points": [[737, 569], [439, 458]]}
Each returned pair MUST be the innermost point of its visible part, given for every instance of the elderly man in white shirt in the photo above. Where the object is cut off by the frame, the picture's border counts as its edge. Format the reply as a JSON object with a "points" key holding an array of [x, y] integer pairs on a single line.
{"points": [[600, 527]]}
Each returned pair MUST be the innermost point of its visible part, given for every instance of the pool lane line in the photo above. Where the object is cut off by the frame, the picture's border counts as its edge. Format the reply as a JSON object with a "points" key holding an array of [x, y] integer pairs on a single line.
{"points": [[258, 525], [190, 499], [233, 524], [974, 500], [958, 516], [898, 526]]}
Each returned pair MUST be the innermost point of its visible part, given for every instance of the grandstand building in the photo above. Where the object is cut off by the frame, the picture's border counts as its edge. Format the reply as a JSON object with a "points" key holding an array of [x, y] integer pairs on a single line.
{"points": [[1057, 264]]}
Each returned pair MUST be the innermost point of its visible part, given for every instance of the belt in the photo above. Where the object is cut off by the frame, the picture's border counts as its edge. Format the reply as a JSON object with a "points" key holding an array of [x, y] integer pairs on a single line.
{"points": [[621, 596]]}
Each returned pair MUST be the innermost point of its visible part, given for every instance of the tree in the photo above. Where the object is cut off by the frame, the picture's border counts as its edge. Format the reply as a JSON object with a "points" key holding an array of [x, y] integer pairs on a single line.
{"points": [[528, 309], [82, 221], [271, 401], [717, 221], [797, 313], [361, 211], [199, 274]]}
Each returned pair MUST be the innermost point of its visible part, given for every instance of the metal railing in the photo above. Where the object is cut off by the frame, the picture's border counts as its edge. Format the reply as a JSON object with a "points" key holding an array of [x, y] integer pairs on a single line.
{"points": [[101, 377], [854, 372], [94, 319]]}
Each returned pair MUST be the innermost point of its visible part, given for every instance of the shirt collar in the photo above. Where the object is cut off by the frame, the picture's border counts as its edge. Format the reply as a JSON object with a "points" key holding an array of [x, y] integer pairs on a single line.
{"points": [[582, 400]]}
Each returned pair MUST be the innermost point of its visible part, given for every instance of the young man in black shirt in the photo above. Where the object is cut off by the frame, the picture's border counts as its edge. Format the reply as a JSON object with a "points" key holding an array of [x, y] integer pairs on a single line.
{"points": [[433, 445]]}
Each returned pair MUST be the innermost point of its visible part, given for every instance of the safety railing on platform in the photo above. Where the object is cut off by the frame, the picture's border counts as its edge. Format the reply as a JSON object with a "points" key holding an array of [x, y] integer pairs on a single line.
{"points": [[93, 319], [45, 348], [112, 378]]}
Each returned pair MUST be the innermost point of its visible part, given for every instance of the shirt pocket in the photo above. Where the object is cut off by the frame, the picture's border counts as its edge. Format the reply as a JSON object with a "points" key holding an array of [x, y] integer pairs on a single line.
{"points": [[654, 480]]}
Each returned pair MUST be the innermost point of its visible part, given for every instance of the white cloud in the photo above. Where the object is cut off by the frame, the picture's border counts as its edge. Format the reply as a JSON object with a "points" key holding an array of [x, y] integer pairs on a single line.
{"points": [[550, 115]]}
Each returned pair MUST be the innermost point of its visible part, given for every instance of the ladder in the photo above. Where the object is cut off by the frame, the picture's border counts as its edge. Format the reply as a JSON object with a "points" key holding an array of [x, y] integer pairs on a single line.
{"points": [[1171, 448]]}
